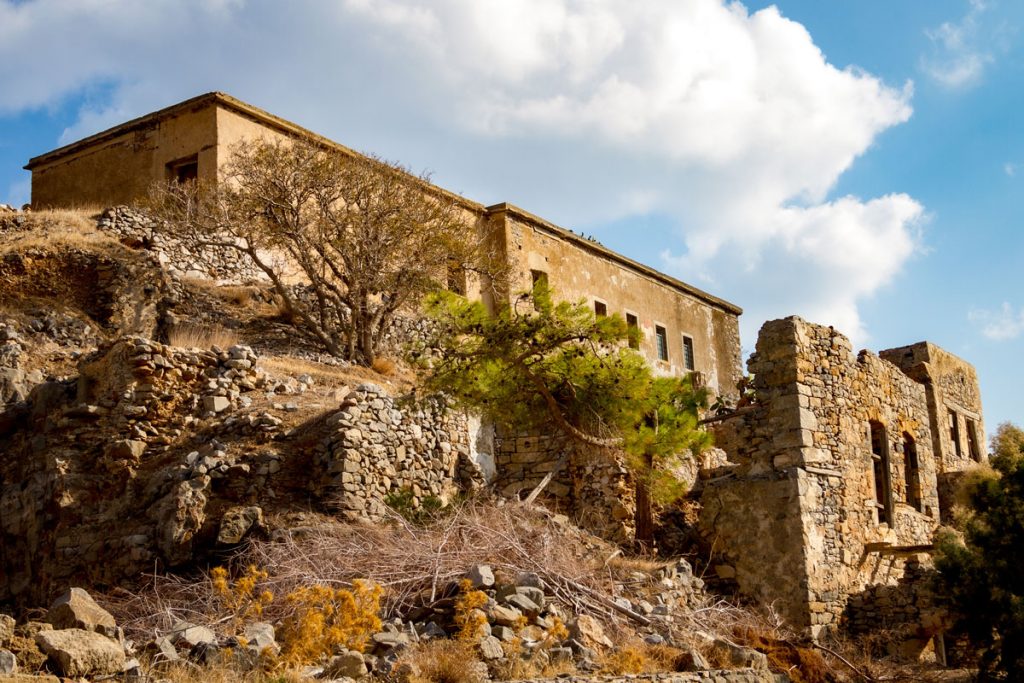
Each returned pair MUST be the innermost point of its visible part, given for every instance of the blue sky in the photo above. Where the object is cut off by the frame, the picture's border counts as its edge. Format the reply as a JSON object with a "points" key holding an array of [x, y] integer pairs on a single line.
{"points": [[857, 162]]}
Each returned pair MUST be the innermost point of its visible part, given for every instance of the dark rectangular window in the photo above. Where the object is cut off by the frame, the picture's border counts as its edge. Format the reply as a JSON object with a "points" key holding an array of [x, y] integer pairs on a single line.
{"points": [[972, 440], [954, 433], [600, 309], [538, 276], [880, 470], [184, 170], [688, 353], [911, 472], [662, 339], [634, 331]]}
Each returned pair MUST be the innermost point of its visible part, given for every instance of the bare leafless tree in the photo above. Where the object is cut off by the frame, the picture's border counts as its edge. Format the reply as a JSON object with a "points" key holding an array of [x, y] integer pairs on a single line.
{"points": [[367, 236]]}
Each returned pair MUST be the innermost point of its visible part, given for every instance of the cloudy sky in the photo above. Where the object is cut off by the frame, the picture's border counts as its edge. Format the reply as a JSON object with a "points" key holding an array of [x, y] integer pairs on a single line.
{"points": [[859, 163]]}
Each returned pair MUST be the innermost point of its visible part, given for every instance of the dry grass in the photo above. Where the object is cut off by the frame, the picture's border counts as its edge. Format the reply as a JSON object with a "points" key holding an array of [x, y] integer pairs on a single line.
{"points": [[79, 234], [189, 673], [332, 376], [414, 565], [442, 661], [243, 296], [192, 336], [384, 366]]}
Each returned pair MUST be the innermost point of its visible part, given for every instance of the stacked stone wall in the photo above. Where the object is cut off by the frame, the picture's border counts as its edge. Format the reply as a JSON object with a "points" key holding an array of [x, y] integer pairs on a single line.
{"points": [[135, 228], [379, 448], [900, 619], [952, 388]]}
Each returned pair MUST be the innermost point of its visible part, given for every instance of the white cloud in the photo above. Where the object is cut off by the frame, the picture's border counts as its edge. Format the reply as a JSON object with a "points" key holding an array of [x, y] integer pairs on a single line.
{"points": [[959, 56], [18, 193], [1010, 168], [999, 325], [731, 124]]}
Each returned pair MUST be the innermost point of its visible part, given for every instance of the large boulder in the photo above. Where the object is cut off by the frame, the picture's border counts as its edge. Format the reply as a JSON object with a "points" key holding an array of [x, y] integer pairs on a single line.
{"points": [[75, 653], [77, 609]]}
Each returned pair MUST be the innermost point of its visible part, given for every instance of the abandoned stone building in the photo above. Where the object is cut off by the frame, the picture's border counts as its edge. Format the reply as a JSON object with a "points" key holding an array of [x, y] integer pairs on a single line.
{"points": [[829, 484], [684, 329], [838, 472]]}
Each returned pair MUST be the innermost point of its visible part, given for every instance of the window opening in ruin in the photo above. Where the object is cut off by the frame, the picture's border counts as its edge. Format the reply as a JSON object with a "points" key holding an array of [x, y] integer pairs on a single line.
{"points": [[633, 324], [954, 433], [972, 440], [688, 353], [662, 339], [911, 472], [456, 278], [184, 170], [880, 466], [538, 276], [600, 309]]}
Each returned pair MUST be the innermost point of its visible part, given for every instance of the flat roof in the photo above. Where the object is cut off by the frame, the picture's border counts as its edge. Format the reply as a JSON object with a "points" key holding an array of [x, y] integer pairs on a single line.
{"points": [[228, 102], [603, 251]]}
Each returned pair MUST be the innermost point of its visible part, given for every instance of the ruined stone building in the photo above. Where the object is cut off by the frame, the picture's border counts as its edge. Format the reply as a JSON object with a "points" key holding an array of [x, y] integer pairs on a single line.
{"points": [[685, 329], [839, 472]]}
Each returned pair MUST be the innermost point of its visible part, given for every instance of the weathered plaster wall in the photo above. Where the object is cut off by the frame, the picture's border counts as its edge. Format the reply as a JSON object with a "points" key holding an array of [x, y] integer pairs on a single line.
{"points": [[578, 273], [810, 423], [120, 170]]}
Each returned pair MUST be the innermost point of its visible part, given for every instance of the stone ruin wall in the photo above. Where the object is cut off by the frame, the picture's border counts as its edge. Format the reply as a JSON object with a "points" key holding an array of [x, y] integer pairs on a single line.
{"points": [[159, 452], [800, 495]]}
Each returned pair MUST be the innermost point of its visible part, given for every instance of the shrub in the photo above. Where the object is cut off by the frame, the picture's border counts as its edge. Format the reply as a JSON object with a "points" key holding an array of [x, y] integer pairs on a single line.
{"points": [[239, 596], [403, 501], [324, 618], [384, 366], [468, 615]]}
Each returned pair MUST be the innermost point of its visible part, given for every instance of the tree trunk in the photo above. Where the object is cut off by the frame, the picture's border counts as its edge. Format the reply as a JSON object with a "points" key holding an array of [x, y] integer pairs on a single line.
{"points": [[644, 516]]}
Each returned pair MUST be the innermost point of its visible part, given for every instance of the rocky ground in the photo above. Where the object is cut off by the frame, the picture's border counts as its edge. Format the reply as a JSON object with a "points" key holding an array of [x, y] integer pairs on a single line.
{"points": [[191, 490]]}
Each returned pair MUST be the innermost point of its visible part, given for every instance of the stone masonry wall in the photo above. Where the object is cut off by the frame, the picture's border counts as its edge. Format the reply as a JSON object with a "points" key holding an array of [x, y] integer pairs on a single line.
{"points": [[810, 428], [591, 484], [951, 385], [378, 447]]}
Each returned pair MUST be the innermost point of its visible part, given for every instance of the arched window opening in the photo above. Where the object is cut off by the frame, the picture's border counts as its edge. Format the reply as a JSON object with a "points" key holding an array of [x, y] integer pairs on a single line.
{"points": [[911, 472], [880, 467]]}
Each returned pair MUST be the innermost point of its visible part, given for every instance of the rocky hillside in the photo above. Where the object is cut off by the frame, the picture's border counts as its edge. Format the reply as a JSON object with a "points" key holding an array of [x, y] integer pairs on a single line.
{"points": [[187, 481]]}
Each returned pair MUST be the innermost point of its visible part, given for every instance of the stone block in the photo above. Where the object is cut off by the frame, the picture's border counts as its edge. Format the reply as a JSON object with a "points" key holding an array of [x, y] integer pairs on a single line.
{"points": [[76, 653], [215, 404], [490, 648], [77, 609], [481, 576]]}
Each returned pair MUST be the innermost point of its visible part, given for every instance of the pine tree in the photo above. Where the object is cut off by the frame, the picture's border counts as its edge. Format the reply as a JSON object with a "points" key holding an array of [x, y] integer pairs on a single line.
{"points": [[539, 365]]}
